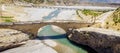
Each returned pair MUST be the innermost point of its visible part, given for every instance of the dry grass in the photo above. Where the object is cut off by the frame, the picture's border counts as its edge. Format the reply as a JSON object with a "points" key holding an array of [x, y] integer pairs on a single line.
{"points": [[109, 24], [9, 13], [112, 22]]}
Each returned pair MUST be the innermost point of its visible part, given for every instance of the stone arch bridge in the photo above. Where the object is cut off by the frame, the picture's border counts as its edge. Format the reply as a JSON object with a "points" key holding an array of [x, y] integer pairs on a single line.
{"points": [[33, 27]]}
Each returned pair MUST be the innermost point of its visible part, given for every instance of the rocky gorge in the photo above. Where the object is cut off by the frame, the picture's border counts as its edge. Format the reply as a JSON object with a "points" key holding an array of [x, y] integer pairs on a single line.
{"points": [[101, 40], [97, 39]]}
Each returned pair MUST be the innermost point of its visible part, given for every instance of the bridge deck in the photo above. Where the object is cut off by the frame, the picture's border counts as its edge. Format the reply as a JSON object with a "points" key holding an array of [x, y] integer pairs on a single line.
{"points": [[34, 27]]}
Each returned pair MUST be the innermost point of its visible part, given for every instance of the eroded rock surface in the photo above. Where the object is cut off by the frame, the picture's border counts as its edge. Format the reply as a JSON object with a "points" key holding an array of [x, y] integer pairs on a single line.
{"points": [[11, 38], [101, 40]]}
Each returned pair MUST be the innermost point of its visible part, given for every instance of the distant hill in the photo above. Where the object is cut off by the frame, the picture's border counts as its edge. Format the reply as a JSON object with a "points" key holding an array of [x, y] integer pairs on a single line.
{"points": [[100, 1], [69, 2]]}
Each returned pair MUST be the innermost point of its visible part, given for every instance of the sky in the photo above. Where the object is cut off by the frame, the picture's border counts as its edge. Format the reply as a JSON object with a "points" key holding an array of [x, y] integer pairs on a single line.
{"points": [[103, 1]]}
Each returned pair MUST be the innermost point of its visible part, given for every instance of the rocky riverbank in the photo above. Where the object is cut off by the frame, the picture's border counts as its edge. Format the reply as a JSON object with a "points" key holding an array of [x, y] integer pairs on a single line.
{"points": [[10, 38], [32, 46], [101, 40], [14, 41]]}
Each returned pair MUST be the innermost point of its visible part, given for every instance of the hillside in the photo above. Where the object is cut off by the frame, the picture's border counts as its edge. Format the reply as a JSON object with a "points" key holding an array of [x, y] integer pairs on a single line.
{"points": [[112, 22], [67, 2]]}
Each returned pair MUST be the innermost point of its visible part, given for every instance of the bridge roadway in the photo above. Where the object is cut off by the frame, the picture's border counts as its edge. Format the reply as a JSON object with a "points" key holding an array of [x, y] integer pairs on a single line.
{"points": [[33, 27]]}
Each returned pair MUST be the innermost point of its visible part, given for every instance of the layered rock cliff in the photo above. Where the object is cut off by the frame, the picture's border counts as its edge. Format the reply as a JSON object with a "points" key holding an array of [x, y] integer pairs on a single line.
{"points": [[101, 40]]}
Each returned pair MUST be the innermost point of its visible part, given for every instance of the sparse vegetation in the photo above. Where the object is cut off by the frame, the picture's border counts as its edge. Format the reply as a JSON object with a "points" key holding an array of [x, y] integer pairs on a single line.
{"points": [[112, 22], [116, 16], [34, 1], [7, 18], [91, 12], [77, 12]]}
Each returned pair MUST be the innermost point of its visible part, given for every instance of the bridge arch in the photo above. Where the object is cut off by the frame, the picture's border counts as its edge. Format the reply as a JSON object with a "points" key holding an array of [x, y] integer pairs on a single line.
{"points": [[52, 27], [51, 32]]}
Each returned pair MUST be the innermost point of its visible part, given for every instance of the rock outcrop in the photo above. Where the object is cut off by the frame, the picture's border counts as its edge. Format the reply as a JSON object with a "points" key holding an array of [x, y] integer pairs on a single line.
{"points": [[31, 46], [10, 38], [101, 40]]}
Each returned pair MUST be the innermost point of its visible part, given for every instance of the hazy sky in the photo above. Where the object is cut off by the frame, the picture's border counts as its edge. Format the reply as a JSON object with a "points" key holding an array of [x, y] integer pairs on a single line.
{"points": [[105, 1]]}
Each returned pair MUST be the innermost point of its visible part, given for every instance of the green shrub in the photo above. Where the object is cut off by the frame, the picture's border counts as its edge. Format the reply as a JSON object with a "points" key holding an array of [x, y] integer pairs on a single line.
{"points": [[91, 12], [6, 17], [107, 22], [116, 16], [77, 12], [8, 20]]}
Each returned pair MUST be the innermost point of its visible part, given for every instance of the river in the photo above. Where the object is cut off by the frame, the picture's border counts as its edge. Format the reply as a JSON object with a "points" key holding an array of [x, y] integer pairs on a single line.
{"points": [[65, 46]]}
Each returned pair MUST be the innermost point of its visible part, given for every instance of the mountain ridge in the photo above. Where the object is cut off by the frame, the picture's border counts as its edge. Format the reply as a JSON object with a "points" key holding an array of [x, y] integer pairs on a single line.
{"points": [[68, 2]]}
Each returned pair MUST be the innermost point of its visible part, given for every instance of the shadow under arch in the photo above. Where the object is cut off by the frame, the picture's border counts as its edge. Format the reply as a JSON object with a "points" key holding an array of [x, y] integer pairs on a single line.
{"points": [[51, 32]]}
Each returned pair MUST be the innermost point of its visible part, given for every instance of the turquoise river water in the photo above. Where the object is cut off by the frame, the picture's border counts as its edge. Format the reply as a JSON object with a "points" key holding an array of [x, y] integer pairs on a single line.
{"points": [[48, 33]]}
